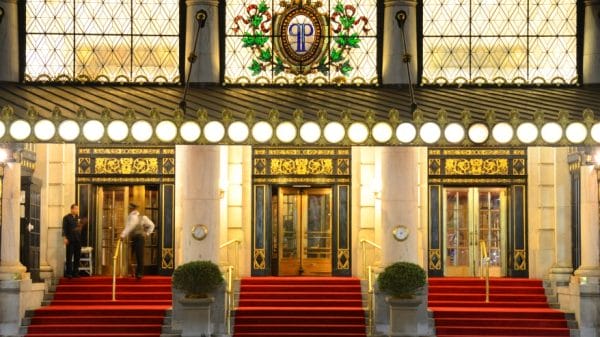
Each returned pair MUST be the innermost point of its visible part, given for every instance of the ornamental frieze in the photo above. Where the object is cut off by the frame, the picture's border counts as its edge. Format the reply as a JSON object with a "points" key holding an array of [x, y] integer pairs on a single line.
{"points": [[494, 166], [301, 166], [126, 166]]}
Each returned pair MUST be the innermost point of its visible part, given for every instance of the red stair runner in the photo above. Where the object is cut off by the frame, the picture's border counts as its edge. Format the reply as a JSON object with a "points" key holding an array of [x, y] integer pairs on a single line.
{"points": [[517, 307], [84, 307], [300, 307]]}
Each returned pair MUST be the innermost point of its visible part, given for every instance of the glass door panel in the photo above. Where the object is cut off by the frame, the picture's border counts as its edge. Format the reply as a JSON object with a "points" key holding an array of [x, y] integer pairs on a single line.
{"points": [[474, 217], [113, 212], [305, 231]]}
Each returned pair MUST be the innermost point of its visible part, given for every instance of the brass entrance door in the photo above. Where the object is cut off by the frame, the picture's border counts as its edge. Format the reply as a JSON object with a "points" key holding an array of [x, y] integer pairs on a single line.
{"points": [[473, 216], [304, 231], [112, 213]]}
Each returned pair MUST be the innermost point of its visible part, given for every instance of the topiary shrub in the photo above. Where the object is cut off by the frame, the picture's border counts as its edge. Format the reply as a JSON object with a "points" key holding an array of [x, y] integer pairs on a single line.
{"points": [[401, 279], [197, 278]]}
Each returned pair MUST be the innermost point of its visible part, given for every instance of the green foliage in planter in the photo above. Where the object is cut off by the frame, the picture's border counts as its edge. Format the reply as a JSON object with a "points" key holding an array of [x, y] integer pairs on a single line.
{"points": [[401, 279], [197, 278]]}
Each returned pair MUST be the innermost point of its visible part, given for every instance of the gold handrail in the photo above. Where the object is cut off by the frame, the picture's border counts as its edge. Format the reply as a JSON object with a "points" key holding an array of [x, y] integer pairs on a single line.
{"points": [[229, 299], [236, 254], [368, 274], [363, 243], [485, 259], [114, 280]]}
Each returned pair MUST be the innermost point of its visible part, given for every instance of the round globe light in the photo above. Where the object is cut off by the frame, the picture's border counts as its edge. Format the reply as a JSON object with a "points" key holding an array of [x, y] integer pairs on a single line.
{"points": [[262, 132], [93, 130], [552, 132], [166, 131], [576, 132], [430, 132], [406, 132], [527, 132], [68, 130], [454, 133], [44, 130], [478, 133], [382, 132], [141, 131], [117, 130], [502, 132], [358, 132], [334, 132], [286, 132], [190, 131], [238, 131], [595, 132], [310, 132], [19, 129], [214, 131]]}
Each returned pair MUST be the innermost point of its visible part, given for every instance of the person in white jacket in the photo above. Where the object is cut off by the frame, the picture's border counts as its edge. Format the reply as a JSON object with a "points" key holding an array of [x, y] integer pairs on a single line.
{"points": [[137, 227]]}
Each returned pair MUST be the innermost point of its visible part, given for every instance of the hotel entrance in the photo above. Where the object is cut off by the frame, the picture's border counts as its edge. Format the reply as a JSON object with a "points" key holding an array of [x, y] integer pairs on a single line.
{"points": [[474, 223], [304, 231], [112, 215]]}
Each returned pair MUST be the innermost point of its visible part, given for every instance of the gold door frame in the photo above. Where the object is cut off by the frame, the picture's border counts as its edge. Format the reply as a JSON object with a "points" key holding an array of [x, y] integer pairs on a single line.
{"points": [[464, 232], [304, 259]]}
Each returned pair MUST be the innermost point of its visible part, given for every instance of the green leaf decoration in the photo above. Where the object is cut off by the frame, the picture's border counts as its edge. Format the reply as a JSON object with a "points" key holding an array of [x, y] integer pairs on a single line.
{"points": [[255, 68], [339, 8], [341, 40], [336, 55], [346, 68], [255, 20], [262, 7], [247, 40], [256, 39], [260, 39], [279, 67], [347, 22], [265, 55], [353, 40]]}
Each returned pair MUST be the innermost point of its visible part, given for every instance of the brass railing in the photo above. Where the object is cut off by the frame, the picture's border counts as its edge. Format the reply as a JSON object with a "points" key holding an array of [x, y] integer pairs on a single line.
{"points": [[231, 274], [368, 274], [115, 257], [485, 260]]}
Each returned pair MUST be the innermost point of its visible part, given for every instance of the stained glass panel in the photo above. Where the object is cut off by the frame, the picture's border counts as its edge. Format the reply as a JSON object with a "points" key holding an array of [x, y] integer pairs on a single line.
{"points": [[273, 42], [499, 41], [102, 40]]}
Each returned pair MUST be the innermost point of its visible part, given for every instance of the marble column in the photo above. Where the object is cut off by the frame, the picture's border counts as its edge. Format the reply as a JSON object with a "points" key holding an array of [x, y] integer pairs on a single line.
{"points": [[561, 271], [198, 201], [9, 41], [10, 266], [206, 69], [590, 232], [591, 42], [41, 172], [394, 70]]}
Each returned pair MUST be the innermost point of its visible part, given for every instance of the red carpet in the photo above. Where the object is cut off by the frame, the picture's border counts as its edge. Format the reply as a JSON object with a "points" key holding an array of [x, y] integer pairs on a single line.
{"points": [[84, 307], [517, 308], [300, 307]]}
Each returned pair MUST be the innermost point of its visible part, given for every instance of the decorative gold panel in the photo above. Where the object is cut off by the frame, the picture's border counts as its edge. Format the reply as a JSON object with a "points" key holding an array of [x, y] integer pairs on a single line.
{"points": [[519, 167], [260, 166], [520, 259], [343, 167], [435, 259], [167, 258], [259, 259], [301, 166], [168, 166], [435, 167], [83, 166], [126, 166], [492, 166], [343, 259]]}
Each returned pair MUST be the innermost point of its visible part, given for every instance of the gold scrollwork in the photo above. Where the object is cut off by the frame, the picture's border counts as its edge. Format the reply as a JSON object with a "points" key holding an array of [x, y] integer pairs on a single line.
{"points": [[167, 258], [476, 152], [126, 166], [301, 166], [148, 151], [343, 259], [435, 259], [520, 259], [259, 259], [490, 166]]}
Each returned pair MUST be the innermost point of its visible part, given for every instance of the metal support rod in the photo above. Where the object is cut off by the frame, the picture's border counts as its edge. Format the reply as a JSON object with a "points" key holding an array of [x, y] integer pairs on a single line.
{"points": [[201, 17], [401, 19]]}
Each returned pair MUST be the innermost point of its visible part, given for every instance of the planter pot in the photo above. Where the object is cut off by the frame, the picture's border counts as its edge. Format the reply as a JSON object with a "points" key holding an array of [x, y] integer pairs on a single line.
{"points": [[403, 316], [196, 316]]}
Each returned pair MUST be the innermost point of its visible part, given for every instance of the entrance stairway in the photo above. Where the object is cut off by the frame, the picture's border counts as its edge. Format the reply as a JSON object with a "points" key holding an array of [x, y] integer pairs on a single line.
{"points": [[300, 307], [517, 308], [84, 307]]}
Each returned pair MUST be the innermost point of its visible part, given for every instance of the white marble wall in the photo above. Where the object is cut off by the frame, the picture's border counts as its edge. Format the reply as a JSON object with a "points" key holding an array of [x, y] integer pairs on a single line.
{"points": [[198, 201], [9, 42]]}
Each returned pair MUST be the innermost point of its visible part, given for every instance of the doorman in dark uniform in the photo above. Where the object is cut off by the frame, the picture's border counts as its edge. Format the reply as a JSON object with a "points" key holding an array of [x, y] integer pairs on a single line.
{"points": [[71, 232]]}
